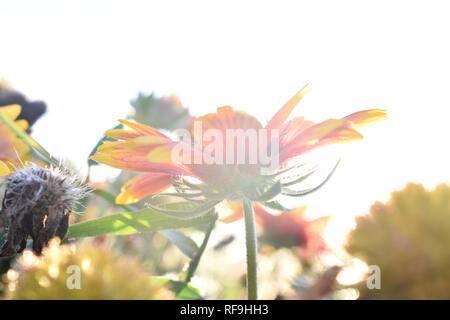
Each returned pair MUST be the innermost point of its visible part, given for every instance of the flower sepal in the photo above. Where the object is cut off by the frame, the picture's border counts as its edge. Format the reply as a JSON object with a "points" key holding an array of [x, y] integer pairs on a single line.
{"points": [[184, 210], [303, 192]]}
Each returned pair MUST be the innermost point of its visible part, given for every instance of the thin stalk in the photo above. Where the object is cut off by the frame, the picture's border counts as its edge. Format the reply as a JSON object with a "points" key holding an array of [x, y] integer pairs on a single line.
{"points": [[194, 262], [27, 139], [251, 243]]}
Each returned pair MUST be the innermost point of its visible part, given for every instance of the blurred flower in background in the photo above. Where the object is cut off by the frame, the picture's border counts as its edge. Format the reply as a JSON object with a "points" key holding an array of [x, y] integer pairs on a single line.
{"points": [[166, 112], [30, 111], [293, 229], [407, 238], [16, 107], [288, 229], [103, 276], [13, 151]]}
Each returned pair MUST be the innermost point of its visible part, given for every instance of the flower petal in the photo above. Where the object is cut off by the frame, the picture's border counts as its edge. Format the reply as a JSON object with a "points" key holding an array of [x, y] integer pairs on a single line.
{"points": [[325, 133], [316, 132], [235, 212], [143, 186], [142, 129], [366, 116], [228, 118], [4, 169], [293, 128], [12, 111], [133, 155], [281, 116], [123, 134], [22, 124], [12, 148]]}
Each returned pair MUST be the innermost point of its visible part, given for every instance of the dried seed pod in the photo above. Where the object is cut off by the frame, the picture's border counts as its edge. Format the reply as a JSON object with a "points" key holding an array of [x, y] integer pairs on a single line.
{"points": [[37, 203]]}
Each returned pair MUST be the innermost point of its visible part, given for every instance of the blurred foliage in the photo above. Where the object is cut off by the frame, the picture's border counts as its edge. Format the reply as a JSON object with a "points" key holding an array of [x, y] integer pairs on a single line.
{"points": [[103, 276], [408, 238], [316, 287], [162, 113]]}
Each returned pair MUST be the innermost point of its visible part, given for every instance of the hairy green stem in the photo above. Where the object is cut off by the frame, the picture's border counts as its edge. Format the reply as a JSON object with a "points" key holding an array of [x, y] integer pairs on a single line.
{"points": [[194, 263], [251, 243]]}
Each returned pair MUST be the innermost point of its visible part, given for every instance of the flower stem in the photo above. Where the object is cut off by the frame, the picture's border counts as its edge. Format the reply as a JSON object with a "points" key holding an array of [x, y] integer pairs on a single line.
{"points": [[251, 242], [27, 139], [194, 263]]}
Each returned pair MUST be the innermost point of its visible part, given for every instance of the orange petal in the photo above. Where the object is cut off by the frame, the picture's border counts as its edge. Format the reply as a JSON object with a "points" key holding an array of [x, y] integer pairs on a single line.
{"points": [[142, 129], [227, 118], [143, 186], [367, 116], [132, 155], [235, 211], [281, 116], [138, 145], [326, 133], [293, 128], [317, 131], [122, 134]]}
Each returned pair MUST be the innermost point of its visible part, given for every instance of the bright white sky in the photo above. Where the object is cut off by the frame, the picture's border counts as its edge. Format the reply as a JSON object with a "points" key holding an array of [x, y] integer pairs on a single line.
{"points": [[87, 59]]}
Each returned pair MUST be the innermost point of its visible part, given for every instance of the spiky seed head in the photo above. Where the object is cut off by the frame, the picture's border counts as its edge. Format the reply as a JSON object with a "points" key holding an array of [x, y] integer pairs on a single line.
{"points": [[37, 203]]}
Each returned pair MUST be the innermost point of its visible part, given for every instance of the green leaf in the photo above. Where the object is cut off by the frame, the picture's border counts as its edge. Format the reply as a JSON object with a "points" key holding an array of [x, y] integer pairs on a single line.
{"points": [[133, 222], [183, 242], [182, 290]]}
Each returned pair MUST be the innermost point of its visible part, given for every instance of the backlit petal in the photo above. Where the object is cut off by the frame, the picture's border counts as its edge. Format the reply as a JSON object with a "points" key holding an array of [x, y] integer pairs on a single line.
{"points": [[143, 186], [142, 128], [228, 118], [133, 155], [367, 116], [123, 134], [326, 133], [317, 131], [281, 116]]}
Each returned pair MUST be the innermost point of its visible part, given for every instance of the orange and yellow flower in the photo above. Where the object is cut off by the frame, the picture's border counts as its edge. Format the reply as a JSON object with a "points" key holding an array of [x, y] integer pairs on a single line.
{"points": [[144, 149], [13, 151]]}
